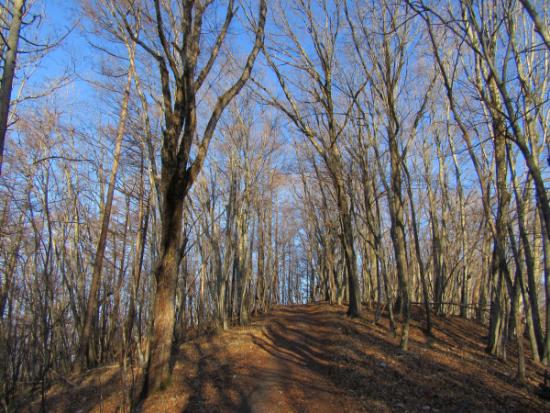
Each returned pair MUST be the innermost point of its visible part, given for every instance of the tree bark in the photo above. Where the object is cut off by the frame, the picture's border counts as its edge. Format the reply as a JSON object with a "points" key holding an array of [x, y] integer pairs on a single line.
{"points": [[10, 63]]}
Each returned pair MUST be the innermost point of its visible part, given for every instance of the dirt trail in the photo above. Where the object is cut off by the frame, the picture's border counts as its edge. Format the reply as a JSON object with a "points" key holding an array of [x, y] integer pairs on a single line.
{"points": [[312, 358], [287, 368], [277, 365]]}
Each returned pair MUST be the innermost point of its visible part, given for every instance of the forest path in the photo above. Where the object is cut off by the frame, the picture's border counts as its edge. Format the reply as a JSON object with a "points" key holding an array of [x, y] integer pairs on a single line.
{"points": [[279, 364], [312, 358], [290, 363]]}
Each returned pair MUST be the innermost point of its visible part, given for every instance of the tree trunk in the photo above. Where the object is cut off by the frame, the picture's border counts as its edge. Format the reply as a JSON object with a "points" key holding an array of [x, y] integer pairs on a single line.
{"points": [[10, 63], [421, 267], [334, 163], [397, 232], [87, 354], [139, 250], [166, 275]]}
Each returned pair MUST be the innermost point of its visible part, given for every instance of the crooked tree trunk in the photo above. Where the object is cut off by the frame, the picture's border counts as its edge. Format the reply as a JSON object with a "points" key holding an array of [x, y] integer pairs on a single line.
{"points": [[398, 239], [397, 230]]}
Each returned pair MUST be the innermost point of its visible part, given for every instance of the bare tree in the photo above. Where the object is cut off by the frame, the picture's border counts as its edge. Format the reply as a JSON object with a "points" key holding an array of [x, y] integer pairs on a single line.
{"points": [[319, 121], [176, 51], [9, 65], [87, 352]]}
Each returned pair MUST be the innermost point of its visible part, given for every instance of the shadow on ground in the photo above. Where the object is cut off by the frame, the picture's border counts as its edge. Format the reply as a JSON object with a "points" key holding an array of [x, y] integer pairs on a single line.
{"points": [[312, 358]]}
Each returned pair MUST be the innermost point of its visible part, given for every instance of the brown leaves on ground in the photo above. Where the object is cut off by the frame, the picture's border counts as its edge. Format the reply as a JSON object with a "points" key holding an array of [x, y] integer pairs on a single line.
{"points": [[312, 358]]}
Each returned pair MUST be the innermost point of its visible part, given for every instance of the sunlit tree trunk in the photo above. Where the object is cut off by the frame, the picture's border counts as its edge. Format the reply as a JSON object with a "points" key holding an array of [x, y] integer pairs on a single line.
{"points": [[8, 73]]}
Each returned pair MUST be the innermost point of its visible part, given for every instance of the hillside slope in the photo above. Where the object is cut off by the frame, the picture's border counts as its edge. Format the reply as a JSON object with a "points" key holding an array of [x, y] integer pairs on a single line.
{"points": [[312, 358]]}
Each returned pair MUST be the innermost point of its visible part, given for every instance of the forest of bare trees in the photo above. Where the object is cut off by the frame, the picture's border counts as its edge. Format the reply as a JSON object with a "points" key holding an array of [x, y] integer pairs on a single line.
{"points": [[218, 158]]}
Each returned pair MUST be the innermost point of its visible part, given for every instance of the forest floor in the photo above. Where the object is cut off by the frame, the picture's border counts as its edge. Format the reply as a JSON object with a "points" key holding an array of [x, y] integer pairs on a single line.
{"points": [[312, 358]]}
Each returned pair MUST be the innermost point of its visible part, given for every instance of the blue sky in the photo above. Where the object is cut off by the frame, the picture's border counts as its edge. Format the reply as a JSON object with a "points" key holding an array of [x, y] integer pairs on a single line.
{"points": [[73, 57], [77, 57]]}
